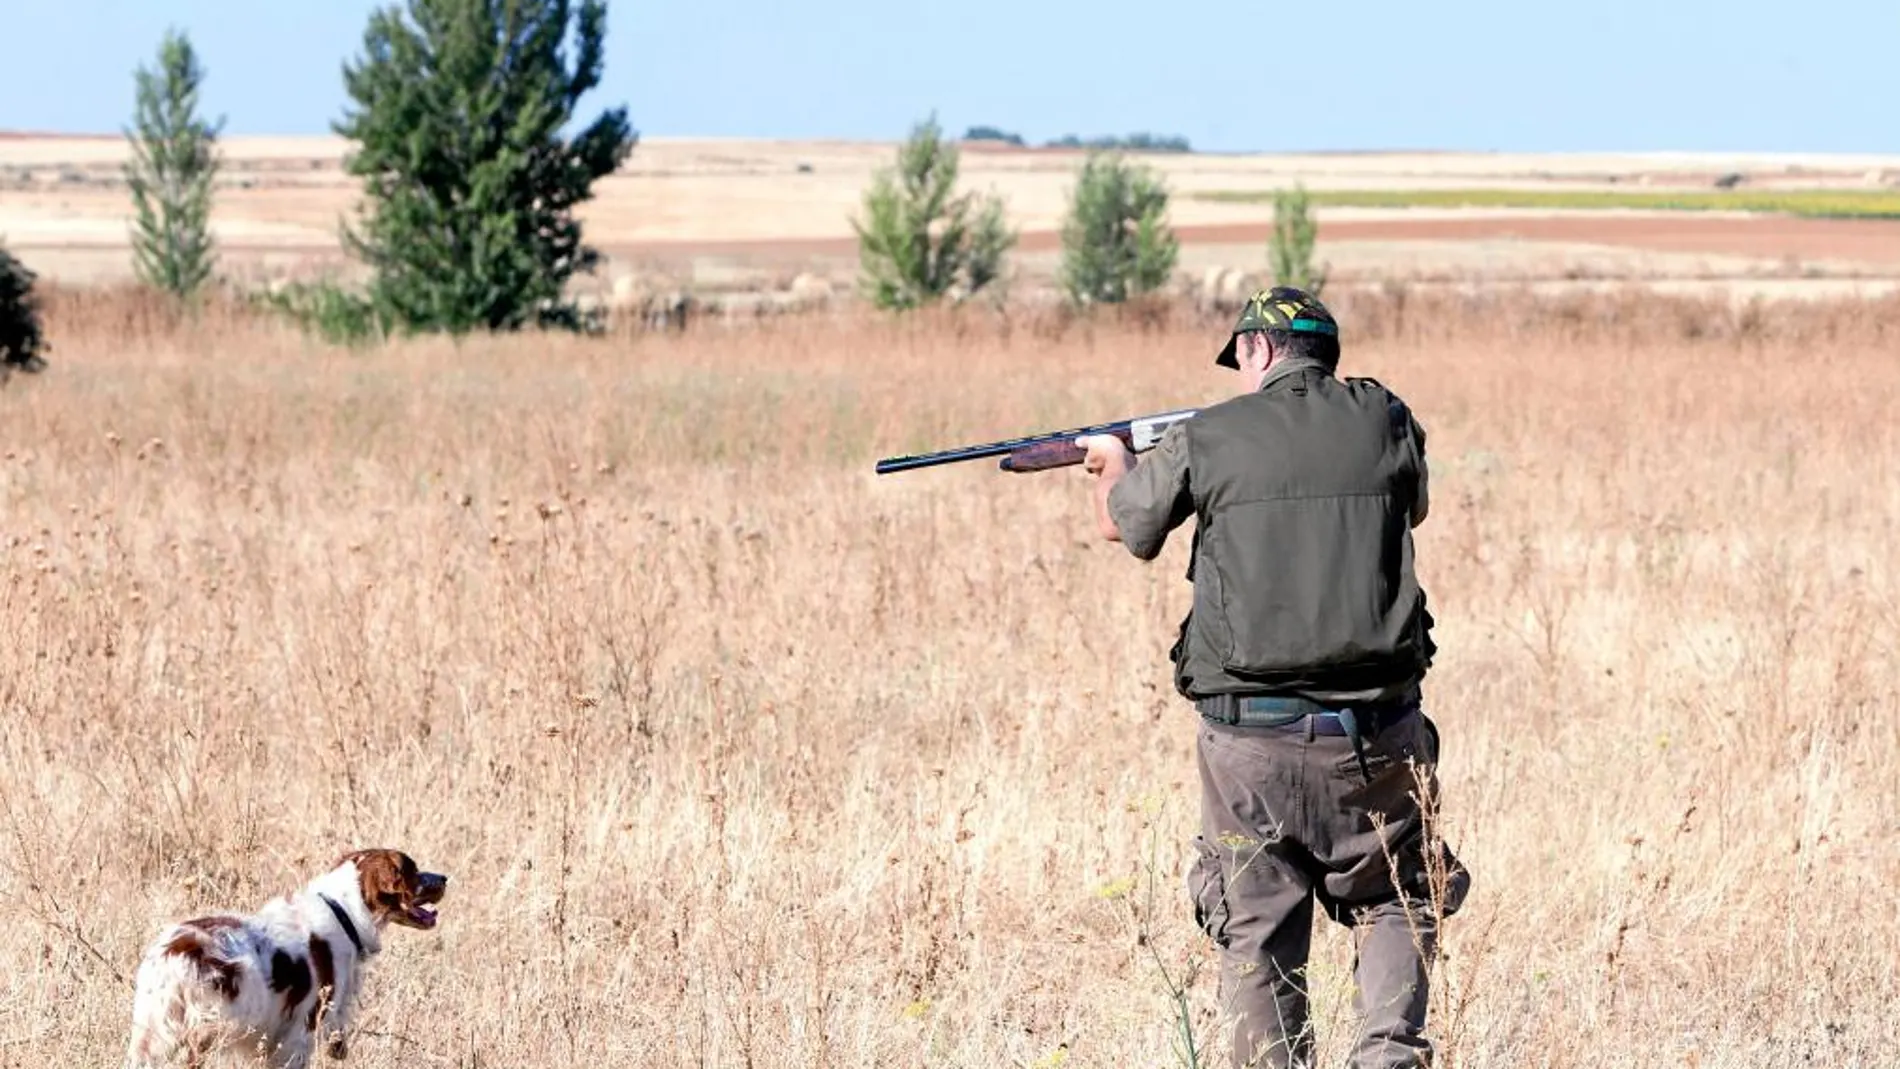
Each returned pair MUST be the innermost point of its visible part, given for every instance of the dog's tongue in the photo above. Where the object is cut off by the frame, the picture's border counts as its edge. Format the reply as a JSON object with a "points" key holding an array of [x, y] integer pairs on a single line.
{"points": [[424, 916]]}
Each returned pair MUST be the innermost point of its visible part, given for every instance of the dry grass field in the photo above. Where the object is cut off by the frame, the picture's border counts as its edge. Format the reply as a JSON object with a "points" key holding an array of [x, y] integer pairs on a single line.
{"points": [[740, 755]]}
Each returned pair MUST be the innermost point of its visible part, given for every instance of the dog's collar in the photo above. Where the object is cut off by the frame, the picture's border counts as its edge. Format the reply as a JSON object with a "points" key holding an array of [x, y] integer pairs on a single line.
{"points": [[343, 918]]}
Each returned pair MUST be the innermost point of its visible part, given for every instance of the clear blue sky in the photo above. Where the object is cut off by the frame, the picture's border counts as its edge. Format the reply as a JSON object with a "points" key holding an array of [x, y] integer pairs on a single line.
{"points": [[1231, 75]]}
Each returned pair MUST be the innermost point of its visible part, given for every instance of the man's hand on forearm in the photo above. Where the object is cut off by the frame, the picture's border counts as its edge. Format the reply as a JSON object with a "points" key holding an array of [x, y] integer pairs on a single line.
{"points": [[1135, 502]]}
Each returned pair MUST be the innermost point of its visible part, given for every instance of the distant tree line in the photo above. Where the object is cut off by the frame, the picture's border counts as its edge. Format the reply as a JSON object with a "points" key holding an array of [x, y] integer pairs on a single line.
{"points": [[991, 133], [1142, 142]]}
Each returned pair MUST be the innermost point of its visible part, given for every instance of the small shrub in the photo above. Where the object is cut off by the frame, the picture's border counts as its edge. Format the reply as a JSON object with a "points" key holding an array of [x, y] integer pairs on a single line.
{"points": [[919, 240], [333, 313], [22, 338], [1116, 242], [1290, 250]]}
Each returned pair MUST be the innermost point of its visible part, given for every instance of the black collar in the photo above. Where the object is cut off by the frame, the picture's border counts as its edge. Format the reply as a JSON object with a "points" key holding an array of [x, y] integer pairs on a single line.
{"points": [[343, 918]]}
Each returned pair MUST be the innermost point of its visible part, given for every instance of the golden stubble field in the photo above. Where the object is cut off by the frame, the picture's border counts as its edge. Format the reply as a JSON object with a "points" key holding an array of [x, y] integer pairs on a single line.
{"points": [[739, 755]]}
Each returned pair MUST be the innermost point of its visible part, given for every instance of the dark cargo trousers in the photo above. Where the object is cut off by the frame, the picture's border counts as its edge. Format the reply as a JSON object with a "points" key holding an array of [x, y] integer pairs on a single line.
{"points": [[1287, 821]]}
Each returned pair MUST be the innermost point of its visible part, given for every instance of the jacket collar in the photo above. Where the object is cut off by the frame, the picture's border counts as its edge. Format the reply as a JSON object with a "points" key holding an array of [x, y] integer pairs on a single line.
{"points": [[1291, 366]]}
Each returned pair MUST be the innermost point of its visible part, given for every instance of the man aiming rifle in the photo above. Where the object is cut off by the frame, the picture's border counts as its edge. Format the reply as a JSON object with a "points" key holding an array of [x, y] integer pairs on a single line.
{"points": [[1303, 652]]}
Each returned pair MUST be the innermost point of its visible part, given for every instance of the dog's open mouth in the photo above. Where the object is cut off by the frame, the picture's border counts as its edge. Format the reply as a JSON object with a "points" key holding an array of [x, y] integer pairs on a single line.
{"points": [[420, 913]]}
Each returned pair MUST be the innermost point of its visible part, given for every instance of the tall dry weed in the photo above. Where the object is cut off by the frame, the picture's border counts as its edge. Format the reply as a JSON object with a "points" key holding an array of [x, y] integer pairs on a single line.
{"points": [[741, 755]]}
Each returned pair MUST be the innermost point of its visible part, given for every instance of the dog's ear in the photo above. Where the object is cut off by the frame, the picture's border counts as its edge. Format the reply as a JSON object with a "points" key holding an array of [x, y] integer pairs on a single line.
{"points": [[387, 879]]}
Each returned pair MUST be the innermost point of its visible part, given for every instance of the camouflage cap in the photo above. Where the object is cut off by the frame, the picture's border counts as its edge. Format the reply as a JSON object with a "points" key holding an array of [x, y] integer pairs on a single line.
{"points": [[1280, 308]]}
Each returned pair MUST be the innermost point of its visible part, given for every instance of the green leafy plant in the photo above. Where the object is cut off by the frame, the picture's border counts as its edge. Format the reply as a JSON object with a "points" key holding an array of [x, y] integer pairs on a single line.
{"points": [[919, 241], [330, 311], [1290, 249], [1116, 242]]}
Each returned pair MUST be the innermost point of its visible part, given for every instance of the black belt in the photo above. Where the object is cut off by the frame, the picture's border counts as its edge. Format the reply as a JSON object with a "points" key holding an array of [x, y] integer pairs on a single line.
{"points": [[1291, 712]]}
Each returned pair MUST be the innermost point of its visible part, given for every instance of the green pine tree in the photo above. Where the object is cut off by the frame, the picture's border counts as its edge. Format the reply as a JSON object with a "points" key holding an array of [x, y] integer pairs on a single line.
{"points": [[1290, 250], [173, 166], [1116, 242], [458, 114], [919, 240]]}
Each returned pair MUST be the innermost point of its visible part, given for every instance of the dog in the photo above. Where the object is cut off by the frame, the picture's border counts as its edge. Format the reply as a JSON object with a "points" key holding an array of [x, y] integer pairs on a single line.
{"points": [[281, 981]]}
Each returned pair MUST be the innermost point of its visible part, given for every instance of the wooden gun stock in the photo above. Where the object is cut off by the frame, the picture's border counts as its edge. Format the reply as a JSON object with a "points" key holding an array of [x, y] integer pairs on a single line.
{"points": [[1045, 456]]}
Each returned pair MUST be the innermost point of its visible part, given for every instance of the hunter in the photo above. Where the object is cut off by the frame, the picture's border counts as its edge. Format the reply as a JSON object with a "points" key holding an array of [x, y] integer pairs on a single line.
{"points": [[1303, 652]]}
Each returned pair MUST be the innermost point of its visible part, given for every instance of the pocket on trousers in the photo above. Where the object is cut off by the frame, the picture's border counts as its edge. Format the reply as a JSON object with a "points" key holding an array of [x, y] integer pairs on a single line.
{"points": [[1207, 891], [1411, 739]]}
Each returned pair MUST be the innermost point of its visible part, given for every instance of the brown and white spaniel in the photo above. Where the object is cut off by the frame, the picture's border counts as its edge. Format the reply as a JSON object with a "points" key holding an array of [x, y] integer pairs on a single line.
{"points": [[279, 981]]}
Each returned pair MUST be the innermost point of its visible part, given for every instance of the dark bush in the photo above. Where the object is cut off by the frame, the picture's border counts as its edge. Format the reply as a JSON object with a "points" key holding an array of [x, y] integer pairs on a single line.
{"points": [[22, 341]]}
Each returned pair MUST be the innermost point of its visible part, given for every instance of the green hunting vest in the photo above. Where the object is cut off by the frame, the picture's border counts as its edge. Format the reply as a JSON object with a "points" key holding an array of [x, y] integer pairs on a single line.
{"points": [[1302, 561]]}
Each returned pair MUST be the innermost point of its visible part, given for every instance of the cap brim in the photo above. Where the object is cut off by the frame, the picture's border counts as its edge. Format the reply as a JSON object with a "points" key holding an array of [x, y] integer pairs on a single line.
{"points": [[1226, 357]]}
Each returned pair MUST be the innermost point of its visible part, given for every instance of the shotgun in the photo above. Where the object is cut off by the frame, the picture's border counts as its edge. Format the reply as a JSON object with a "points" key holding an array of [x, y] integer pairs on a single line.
{"points": [[1041, 452]]}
